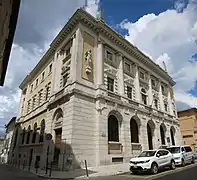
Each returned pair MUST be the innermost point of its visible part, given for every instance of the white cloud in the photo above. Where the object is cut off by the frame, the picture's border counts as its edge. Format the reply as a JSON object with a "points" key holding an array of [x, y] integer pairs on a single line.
{"points": [[171, 37], [92, 7]]}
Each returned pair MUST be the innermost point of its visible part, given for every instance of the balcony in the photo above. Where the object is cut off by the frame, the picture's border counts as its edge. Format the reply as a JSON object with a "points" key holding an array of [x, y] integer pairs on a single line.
{"points": [[113, 95], [133, 102], [115, 148]]}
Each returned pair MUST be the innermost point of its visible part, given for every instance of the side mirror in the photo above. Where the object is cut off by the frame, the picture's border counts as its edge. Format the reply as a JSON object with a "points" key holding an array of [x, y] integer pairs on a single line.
{"points": [[158, 155]]}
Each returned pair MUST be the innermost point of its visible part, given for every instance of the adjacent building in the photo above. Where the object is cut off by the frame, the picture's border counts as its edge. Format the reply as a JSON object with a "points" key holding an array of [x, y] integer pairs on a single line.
{"points": [[100, 98], [1, 149], [9, 10], [10, 127], [188, 126]]}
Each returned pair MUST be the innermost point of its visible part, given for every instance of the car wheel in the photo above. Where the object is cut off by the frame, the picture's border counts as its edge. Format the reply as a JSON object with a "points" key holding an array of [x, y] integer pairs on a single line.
{"points": [[193, 160], [182, 162], [135, 172], [172, 165], [154, 168]]}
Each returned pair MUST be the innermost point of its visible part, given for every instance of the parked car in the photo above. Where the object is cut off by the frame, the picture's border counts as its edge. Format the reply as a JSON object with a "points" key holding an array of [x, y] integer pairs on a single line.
{"points": [[152, 160], [182, 154]]}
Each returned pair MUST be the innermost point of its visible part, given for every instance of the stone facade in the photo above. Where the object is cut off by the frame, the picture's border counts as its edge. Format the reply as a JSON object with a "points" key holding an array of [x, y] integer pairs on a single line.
{"points": [[106, 102]]}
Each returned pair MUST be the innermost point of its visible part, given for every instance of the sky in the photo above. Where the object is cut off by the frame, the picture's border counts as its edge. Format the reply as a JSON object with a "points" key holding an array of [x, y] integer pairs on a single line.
{"points": [[165, 30]]}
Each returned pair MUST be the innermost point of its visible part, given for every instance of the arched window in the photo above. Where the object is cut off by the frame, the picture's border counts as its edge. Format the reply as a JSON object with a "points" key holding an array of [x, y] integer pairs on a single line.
{"points": [[172, 132], [113, 129], [42, 130], [28, 134], [144, 96], [34, 133], [162, 135], [134, 131], [23, 136]]}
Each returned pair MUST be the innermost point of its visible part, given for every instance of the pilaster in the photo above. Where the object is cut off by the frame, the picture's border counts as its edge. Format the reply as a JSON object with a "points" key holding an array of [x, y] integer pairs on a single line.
{"points": [[150, 92], [120, 75], [161, 97], [100, 64], [170, 102], [137, 83]]}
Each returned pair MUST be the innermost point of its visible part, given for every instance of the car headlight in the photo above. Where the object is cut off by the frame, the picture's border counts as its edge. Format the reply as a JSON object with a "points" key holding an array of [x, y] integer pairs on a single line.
{"points": [[177, 158], [146, 161]]}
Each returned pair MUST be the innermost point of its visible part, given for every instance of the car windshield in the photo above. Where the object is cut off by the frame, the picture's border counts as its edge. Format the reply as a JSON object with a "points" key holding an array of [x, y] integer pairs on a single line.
{"points": [[147, 154], [174, 150]]}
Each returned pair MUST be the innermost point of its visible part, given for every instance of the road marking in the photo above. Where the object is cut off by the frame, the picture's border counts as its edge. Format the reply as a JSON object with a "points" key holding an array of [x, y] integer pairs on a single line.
{"points": [[168, 172]]}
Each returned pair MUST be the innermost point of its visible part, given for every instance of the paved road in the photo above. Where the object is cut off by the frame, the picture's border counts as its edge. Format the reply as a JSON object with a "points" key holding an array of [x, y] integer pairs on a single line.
{"points": [[188, 172], [10, 173]]}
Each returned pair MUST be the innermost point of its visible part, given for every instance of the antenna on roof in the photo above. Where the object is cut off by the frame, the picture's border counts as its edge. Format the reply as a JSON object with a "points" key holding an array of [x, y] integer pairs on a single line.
{"points": [[85, 5], [100, 13], [164, 65]]}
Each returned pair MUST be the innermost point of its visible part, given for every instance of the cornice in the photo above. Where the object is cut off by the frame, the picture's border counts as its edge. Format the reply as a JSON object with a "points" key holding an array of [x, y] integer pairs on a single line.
{"points": [[99, 27], [43, 60]]}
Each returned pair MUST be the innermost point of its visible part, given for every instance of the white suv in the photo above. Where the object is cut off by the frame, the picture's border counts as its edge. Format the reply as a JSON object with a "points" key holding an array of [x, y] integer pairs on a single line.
{"points": [[152, 160], [182, 154]]}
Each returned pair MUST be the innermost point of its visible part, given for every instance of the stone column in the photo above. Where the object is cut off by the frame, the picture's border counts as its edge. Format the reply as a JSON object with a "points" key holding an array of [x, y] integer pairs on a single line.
{"points": [[100, 64], [74, 56], [161, 98], [120, 75], [137, 84], [150, 92]]}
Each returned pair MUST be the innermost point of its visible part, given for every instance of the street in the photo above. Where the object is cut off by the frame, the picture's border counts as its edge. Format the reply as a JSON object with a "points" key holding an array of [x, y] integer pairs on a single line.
{"points": [[181, 173], [11, 173]]}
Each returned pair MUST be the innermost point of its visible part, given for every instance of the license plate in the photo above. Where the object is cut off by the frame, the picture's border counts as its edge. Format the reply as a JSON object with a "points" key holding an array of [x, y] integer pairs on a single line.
{"points": [[134, 166]]}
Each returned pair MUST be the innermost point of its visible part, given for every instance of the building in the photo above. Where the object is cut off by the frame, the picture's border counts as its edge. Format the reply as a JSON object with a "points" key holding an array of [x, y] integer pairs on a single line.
{"points": [[188, 126], [9, 10], [1, 148], [100, 98], [10, 127]]}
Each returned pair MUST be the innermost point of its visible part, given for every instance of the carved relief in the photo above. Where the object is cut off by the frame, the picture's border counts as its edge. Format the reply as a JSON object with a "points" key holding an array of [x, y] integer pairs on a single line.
{"points": [[88, 57]]}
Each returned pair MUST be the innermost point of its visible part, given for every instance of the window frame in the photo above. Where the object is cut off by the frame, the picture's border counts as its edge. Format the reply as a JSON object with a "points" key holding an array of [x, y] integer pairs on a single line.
{"points": [[110, 86], [130, 93]]}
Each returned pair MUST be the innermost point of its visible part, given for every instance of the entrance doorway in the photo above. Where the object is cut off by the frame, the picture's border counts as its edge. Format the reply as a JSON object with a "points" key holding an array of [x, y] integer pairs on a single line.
{"points": [[58, 137], [30, 156], [150, 137], [162, 135]]}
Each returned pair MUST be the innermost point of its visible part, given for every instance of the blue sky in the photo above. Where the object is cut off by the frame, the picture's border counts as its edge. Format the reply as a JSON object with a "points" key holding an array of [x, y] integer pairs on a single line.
{"points": [[115, 10], [165, 30]]}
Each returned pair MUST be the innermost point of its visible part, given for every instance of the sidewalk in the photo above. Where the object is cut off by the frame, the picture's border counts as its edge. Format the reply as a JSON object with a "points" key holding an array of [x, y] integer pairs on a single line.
{"points": [[81, 173]]}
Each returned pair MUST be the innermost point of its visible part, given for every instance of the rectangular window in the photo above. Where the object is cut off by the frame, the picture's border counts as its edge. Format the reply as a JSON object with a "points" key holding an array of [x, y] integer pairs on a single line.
{"points": [[162, 89], [28, 105], [50, 68], [153, 83], [156, 103], [34, 102], [127, 67], [36, 82], [142, 76], [32, 87], [65, 78], [129, 92], [166, 107], [43, 76], [109, 56], [144, 99], [68, 51], [40, 98], [110, 84], [47, 92]]}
